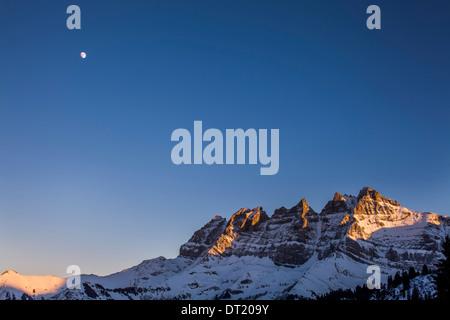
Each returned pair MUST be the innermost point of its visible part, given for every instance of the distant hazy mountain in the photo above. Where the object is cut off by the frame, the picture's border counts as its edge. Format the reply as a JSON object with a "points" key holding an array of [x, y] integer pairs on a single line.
{"points": [[295, 253]]}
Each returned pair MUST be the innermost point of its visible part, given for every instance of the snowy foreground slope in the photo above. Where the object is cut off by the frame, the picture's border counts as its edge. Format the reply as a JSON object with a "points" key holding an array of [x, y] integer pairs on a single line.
{"points": [[295, 253]]}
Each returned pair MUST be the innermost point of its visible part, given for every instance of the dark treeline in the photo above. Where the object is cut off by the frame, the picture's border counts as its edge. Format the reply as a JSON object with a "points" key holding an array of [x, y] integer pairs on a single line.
{"points": [[363, 293], [399, 286]]}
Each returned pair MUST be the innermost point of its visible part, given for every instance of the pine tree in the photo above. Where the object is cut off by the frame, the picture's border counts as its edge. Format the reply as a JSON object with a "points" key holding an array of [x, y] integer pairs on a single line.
{"points": [[405, 281], [389, 282], [425, 270], [397, 279], [442, 277], [412, 272]]}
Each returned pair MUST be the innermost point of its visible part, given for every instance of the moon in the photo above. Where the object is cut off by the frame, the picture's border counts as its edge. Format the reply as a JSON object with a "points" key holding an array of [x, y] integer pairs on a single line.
{"points": [[83, 55]]}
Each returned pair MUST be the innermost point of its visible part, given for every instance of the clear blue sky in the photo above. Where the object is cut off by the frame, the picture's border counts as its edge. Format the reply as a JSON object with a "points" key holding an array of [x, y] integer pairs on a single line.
{"points": [[85, 171]]}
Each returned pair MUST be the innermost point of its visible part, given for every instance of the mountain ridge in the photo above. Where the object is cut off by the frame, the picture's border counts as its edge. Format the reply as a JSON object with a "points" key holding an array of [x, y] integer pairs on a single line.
{"points": [[296, 252]]}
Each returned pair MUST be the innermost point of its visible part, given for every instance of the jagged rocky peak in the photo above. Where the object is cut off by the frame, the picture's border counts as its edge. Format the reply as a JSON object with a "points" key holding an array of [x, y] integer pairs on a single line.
{"points": [[301, 209], [369, 194], [338, 197], [244, 220], [305, 208], [247, 219], [302, 214], [203, 238], [338, 204], [370, 202]]}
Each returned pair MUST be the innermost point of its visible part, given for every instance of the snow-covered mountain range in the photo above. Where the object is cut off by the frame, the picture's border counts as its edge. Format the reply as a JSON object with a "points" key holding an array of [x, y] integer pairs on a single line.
{"points": [[295, 253]]}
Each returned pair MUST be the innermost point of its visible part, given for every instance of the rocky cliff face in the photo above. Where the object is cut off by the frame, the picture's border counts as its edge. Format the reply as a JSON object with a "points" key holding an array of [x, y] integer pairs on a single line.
{"points": [[296, 252], [204, 239], [365, 227], [288, 237]]}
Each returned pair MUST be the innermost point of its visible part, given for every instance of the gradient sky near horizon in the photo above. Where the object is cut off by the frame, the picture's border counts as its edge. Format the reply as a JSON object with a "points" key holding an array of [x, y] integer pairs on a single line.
{"points": [[86, 176]]}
